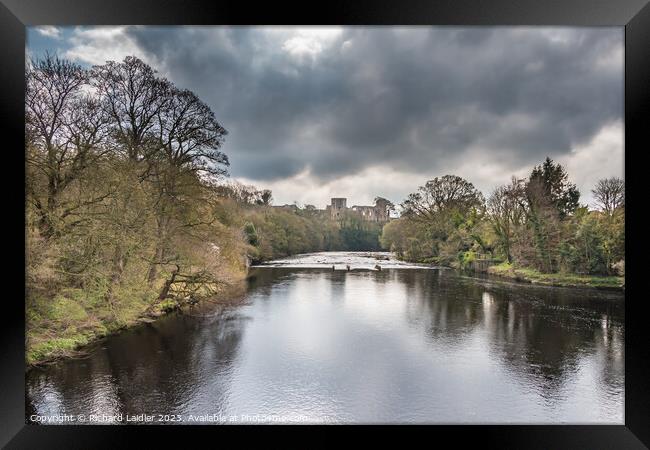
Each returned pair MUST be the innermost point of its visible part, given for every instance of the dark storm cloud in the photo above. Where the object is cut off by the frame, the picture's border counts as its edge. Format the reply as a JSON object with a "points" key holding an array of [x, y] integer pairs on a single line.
{"points": [[417, 99]]}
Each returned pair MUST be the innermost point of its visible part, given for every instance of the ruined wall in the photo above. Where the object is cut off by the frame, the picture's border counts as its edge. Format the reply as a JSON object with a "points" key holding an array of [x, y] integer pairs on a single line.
{"points": [[337, 207], [376, 213]]}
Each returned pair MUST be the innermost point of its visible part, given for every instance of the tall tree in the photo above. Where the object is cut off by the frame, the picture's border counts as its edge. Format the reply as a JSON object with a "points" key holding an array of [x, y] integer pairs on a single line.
{"points": [[189, 141], [551, 198], [506, 209], [609, 194], [442, 207], [64, 131], [190, 134], [551, 181], [440, 195], [133, 95]]}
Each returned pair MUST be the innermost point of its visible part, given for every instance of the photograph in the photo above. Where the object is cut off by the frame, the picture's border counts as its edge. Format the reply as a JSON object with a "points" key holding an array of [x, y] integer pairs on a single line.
{"points": [[324, 225]]}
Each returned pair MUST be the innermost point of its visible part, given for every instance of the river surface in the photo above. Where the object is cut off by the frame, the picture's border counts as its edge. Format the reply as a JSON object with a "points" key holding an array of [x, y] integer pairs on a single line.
{"points": [[308, 344]]}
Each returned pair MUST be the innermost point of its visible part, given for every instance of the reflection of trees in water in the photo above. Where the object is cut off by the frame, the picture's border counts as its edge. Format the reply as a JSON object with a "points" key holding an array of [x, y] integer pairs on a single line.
{"points": [[75, 387], [177, 366], [612, 353], [536, 343], [541, 333], [545, 339], [439, 306], [262, 280], [117, 379]]}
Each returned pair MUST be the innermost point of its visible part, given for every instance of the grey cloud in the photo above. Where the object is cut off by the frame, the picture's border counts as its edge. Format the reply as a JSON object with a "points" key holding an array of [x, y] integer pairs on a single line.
{"points": [[411, 98]]}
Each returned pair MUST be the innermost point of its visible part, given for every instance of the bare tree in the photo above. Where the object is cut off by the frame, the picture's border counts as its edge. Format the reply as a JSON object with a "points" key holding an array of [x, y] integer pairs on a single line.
{"points": [[190, 134], [62, 129], [544, 220], [609, 194], [506, 209], [133, 96]]}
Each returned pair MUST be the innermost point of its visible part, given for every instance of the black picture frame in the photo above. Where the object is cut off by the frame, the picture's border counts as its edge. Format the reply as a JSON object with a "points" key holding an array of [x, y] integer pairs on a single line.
{"points": [[634, 15]]}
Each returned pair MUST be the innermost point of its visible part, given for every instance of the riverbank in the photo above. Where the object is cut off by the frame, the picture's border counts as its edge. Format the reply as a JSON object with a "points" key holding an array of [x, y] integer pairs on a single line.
{"points": [[529, 275], [525, 274], [74, 321]]}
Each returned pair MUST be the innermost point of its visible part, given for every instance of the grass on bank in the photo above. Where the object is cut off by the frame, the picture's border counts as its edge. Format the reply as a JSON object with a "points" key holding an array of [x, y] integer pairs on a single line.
{"points": [[555, 279], [58, 327]]}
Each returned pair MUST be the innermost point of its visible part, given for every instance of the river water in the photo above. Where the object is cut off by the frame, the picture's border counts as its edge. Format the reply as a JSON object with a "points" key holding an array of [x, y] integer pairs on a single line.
{"points": [[309, 344]]}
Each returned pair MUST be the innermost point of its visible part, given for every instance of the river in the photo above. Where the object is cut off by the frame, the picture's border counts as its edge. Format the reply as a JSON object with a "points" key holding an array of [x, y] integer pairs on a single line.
{"points": [[308, 344]]}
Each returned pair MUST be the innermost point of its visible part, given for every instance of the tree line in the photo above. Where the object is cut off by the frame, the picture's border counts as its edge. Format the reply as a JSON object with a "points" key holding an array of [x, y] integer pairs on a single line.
{"points": [[535, 222], [277, 231]]}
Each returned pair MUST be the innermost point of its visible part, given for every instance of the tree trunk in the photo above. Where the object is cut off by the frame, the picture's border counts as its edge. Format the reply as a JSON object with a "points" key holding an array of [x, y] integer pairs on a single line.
{"points": [[118, 265], [119, 262], [52, 193], [168, 284], [153, 267], [159, 253]]}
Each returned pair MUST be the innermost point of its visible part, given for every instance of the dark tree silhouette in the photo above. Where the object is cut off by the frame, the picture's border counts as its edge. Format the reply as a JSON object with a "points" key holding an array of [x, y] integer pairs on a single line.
{"points": [[609, 194], [133, 96], [549, 183]]}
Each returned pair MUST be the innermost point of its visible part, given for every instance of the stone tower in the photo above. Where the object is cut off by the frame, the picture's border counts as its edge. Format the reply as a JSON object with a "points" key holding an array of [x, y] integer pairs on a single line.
{"points": [[381, 209], [337, 208]]}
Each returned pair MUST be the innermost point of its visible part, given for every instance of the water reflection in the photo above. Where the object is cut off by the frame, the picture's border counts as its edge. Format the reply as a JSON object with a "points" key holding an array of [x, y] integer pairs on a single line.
{"points": [[398, 345]]}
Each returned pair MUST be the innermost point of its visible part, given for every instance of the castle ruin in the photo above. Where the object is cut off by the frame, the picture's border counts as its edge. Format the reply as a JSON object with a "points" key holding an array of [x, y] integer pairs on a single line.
{"points": [[380, 212]]}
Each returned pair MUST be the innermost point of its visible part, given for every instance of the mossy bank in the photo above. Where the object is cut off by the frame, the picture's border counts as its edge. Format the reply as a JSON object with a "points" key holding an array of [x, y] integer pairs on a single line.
{"points": [[61, 327], [529, 275]]}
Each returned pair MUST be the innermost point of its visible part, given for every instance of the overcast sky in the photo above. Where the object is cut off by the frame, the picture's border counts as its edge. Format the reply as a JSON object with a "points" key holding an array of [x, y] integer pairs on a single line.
{"points": [[357, 112]]}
